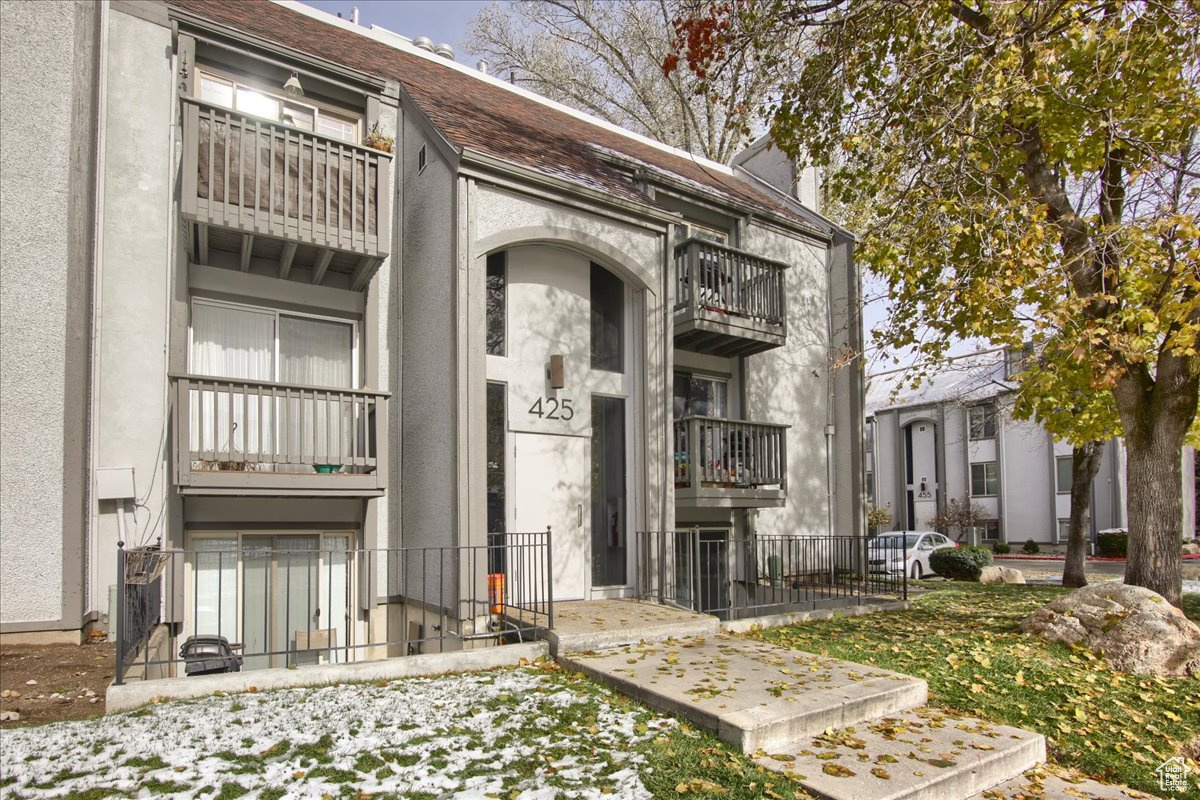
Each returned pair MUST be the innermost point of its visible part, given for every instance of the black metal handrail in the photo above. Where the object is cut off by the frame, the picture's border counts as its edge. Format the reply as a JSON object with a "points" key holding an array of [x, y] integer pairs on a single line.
{"points": [[329, 604], [710, 572]]}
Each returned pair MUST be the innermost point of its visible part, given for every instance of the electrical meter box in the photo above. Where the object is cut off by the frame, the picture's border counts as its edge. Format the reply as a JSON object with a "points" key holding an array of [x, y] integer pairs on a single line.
{"points": [[115, 483]]}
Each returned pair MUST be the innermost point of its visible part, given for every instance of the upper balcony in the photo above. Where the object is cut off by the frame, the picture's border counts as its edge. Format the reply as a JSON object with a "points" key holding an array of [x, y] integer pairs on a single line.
{"points": [[314, 207], [233, 436], [727, 302], [730, 463]]}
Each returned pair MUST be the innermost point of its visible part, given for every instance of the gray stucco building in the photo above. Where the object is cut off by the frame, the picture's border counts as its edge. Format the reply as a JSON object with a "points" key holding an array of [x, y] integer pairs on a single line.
{"points": [[954, 438], [274, 282]]}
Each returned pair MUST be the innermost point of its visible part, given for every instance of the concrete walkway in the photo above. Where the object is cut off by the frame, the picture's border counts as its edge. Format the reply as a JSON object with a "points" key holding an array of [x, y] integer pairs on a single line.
{"points": [[844, 730]]}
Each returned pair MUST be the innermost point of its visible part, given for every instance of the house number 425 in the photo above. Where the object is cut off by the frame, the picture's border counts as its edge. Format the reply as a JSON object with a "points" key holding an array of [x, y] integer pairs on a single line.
{"points": [[553, 408]]}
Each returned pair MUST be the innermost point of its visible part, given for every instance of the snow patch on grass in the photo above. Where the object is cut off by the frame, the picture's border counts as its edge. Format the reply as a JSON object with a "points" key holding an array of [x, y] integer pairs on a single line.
{"points": [[525, 733]]}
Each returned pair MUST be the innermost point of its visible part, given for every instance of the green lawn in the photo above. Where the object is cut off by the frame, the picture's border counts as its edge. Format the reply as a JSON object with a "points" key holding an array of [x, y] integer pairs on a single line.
{"points": [[964, 640]]}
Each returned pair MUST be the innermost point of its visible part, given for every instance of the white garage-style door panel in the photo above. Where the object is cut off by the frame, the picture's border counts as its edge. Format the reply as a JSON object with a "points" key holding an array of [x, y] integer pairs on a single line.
{"points": [[552, 486]]}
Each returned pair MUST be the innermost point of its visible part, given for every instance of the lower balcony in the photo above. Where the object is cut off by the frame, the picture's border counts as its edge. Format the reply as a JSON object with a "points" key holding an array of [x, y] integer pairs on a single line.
{"points": [[730, 463], [234, 436]]}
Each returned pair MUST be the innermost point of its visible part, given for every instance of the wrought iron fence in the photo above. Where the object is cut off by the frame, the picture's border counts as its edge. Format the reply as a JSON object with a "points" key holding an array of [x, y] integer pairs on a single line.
{"points": [[710, 572], [287, 601]]}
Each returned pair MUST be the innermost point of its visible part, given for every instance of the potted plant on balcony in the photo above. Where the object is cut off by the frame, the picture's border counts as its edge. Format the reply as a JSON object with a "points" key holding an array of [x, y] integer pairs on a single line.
{"points": [[376, 139]]}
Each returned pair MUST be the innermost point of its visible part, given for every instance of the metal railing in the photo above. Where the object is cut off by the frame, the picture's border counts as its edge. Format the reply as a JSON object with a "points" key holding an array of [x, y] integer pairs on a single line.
{"points": [[260, 176], [720, 278], [239, 426], [319, 601], [709, 572], [714, 451]]}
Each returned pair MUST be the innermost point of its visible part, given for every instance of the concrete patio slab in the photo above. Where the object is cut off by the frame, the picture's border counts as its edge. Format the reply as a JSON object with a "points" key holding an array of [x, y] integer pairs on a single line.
{"points": [[751, 694], [585, 625], [923, 754]]}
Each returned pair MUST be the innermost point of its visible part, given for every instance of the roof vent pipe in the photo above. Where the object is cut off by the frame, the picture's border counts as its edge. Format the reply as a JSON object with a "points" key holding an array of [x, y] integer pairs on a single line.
{"points": [[354, 15], [423, 43], [445, 51], [482, 66]]}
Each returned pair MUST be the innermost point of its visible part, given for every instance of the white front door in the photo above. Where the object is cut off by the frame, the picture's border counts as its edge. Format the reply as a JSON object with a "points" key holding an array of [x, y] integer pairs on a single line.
{"points": [[552, 486]]}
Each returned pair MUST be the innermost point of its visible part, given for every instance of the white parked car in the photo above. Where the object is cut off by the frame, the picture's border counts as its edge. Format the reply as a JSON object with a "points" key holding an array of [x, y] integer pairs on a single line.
{"points": [[899, 552]]}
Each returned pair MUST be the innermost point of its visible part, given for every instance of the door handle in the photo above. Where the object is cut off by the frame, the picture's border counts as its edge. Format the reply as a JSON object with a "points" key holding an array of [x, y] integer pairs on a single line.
{"points": [[579, 515]]}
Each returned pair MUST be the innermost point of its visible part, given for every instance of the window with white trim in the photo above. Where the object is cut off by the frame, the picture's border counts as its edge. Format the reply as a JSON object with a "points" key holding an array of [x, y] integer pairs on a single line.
{"points": [[982, 422], [258, 102], [1063, 467], [985, 482]]}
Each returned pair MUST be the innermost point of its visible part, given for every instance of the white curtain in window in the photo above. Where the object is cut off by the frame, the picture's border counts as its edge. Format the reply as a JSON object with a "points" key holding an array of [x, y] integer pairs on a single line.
{"points": [[231, 342], [315, 352], [214, 590]]}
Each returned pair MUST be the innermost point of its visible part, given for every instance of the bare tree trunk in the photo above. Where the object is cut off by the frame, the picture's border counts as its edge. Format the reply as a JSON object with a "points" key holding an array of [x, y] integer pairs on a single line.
{"points": [[1156, 417], [1085, 463]]}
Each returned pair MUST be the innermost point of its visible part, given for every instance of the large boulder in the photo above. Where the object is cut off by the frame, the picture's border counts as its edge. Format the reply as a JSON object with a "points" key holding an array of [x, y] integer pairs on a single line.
{"points": [[1134, 628], [1001, 575]]}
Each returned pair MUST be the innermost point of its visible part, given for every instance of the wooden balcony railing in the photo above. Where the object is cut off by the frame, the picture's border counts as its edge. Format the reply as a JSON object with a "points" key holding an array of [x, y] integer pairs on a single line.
{"points": [[723, 294], [272, 437], [735, 459], [257, 176]]}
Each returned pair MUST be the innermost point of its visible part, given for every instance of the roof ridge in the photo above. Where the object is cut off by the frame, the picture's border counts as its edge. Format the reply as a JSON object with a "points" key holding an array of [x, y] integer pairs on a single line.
{"points": [[389, 38]]}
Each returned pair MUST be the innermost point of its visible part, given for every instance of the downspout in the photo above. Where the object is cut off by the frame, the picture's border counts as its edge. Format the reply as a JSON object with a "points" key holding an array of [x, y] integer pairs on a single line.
{"points": [[830, 389], [666, 429], [93, 555]]}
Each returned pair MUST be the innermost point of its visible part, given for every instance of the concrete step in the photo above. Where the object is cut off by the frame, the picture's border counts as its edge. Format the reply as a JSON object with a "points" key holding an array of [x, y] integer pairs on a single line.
{"points": [[1045, 785], [588, 625], [751, 694], [923, 754]]}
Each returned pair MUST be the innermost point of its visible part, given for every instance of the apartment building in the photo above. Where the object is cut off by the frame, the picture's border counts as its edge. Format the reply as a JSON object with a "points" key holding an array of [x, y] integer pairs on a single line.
{"points": [[281, 291], [954, 438]]}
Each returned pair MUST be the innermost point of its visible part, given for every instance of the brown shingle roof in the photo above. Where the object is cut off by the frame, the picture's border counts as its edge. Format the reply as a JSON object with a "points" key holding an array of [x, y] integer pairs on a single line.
{"points": [[480, 115]]}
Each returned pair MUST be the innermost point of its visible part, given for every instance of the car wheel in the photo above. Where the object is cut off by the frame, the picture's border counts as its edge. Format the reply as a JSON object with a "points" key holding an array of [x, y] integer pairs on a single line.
{"points": [[917, 573]]}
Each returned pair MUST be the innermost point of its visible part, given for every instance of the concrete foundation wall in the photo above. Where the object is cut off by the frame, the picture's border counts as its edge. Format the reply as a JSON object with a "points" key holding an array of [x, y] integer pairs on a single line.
{"points": [[47, 153]]}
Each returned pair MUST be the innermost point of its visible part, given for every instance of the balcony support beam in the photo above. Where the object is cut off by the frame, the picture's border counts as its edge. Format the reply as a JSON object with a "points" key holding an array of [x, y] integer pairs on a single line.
{"points": [[202, 242], [247, 247], [321, 265], [362, 273], [285, 260]]}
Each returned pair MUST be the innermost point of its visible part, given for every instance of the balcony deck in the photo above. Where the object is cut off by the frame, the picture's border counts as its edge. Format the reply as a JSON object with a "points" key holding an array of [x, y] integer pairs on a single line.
{"points": [[727, 302], [730, 463], [245, 437], [316, 209]]}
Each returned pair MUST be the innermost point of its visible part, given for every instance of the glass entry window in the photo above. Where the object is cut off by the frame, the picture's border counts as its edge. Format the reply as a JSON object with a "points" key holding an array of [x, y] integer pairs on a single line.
{"points": [[284, 597], [609, 539], [258, 344]]}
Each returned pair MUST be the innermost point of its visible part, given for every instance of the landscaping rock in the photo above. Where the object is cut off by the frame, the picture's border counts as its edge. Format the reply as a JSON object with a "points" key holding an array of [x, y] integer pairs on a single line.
{"points": [[1191, 549], [1001, 575], [9, 716], [1134, 628]]}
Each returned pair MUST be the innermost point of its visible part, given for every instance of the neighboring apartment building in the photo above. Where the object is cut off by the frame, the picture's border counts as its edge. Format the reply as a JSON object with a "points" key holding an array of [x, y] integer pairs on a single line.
{"points": [[232, 327], [954, 437]]}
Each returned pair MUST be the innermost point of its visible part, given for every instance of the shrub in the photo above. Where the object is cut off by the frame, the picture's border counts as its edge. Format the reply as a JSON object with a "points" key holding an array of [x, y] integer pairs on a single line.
{"points": [[1030, 546], [1001, 548], [1113, 545], [960, 563]]}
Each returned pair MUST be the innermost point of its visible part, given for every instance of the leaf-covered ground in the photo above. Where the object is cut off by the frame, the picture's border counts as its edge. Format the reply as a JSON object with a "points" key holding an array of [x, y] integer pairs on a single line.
{"points": [[963, 639], [524, 734]]}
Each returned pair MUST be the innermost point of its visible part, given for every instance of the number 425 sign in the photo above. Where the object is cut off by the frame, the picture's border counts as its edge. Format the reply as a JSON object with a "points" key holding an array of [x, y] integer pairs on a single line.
{"points": [[553, 408]]}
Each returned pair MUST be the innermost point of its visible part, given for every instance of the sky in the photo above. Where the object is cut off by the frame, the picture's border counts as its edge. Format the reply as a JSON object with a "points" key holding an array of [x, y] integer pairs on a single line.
{"points": [[443, 21]]}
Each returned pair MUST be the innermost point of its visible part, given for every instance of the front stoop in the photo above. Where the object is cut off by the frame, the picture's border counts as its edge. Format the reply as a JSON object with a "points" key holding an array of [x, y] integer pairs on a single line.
{"points": [[923, 754], [753, 695], [586, 625]]}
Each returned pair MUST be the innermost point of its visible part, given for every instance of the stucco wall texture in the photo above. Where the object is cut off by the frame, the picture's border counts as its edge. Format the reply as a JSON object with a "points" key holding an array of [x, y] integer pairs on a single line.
{"points": [[36, 56]]}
